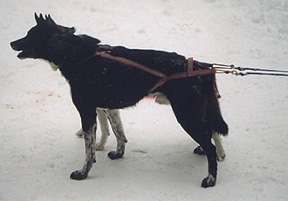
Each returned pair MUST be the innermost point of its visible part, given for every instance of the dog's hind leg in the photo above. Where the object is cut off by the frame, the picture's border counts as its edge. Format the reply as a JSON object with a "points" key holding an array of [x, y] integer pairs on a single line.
{"points": [[88, 119], [191, 113], [219, 148], [221, 155], [162, 100], [117, 127], [103, 121]]}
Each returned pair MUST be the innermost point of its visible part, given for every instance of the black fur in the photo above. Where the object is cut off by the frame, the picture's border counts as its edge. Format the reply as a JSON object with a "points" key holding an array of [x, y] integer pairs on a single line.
{"points": [[99, 82]]}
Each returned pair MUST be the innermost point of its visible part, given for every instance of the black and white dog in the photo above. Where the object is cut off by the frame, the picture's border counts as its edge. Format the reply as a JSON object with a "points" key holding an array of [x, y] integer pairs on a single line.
{"points": [[111, 77]]}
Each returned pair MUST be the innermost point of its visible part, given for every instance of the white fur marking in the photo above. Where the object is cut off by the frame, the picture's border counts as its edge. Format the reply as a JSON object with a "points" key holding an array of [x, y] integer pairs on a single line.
{"points": [[53, 66], [211, 179], [116, 124], [104, 129], [219, 148]]}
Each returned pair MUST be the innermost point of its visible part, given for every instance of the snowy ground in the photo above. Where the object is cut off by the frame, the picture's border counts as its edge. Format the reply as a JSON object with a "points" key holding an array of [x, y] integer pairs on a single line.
{"points": [[38, 120]]}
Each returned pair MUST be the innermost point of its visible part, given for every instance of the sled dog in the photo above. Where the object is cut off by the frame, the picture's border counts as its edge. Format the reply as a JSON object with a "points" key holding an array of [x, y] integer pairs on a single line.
{"points": [[115, 77]]}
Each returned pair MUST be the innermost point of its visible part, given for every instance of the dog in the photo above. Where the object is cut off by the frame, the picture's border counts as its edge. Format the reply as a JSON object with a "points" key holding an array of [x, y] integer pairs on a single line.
{"points": [[116, 124], [116, 77]]}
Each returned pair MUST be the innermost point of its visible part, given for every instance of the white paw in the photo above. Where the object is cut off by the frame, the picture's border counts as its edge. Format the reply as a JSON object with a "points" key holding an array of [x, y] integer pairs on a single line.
{"points": [[99, 146], [221, 156], [80, 133]]}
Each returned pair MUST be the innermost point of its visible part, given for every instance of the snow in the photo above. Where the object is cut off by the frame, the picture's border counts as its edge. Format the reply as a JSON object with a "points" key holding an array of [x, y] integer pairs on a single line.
{"points": [[38, 146]]}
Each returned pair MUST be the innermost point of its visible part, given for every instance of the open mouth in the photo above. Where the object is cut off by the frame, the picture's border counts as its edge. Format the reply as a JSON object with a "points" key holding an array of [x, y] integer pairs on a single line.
{"points": [[24, 54]]}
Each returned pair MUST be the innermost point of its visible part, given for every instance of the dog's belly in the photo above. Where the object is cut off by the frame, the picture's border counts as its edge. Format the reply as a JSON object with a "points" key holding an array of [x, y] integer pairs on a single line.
{"points": [[114, 93], [117, 102], [106, 96]]}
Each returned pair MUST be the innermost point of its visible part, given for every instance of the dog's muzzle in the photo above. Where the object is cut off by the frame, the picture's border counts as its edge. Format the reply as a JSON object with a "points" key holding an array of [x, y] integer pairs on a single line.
{"points": [[20, 45]]}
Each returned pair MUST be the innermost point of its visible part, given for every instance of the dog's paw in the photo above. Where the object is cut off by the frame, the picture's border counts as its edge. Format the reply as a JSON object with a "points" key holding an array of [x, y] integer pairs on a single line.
{"points": [[208, 181], [221, 157], [198, 150], [115, 155], [80, 133], [99, 146], [78, 175]]}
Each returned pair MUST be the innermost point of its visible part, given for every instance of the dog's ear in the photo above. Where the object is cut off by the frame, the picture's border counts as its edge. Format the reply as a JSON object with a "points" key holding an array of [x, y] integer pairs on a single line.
{"points": [[40, 19], [49, 20]]}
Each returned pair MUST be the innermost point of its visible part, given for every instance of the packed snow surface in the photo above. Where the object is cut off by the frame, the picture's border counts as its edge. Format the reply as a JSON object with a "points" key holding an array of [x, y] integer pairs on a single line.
{"points": [[38, 145]]}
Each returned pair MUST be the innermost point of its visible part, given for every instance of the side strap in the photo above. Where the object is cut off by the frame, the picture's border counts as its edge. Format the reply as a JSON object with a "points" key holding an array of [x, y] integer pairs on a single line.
{"points": [[132, 63], [190, 67], [164, 77], [181, 75]]}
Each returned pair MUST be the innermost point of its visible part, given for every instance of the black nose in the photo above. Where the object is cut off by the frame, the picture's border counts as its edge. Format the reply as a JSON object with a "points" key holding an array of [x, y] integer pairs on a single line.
{"points": [[13, 46], [19, 45]]}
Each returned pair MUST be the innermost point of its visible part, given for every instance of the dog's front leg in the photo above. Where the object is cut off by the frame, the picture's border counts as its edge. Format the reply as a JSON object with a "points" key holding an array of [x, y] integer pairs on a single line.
{"points": [[103, 122], [88, 119], [90, 156]]}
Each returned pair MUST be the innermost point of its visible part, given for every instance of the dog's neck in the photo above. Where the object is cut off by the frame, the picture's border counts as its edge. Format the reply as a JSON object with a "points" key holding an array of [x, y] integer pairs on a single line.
{"points": [[70, 48], [74, 50], [53, 66]]}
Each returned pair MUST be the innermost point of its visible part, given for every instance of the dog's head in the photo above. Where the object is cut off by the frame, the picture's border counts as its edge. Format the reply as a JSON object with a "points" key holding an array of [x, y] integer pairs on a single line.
{"points": [[34, 44]]}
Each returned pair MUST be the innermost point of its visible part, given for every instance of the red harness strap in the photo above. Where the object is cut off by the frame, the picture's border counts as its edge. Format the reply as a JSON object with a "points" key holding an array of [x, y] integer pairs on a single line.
{"points": [[164, 77], [190, 66]]}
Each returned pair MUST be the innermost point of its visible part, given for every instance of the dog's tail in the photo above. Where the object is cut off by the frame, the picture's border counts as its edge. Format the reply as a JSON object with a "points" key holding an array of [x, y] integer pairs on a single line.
{"points": [[220, 127], [215, 118]]}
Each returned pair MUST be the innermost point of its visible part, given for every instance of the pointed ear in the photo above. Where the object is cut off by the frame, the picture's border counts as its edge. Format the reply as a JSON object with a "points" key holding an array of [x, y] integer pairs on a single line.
{"points": [[36, 17], [39, 19], [50, 20]]}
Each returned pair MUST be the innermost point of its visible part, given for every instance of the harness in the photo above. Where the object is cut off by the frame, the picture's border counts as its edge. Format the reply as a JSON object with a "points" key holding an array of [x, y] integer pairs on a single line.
{"points": [[190, 72], [103, 51]]}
